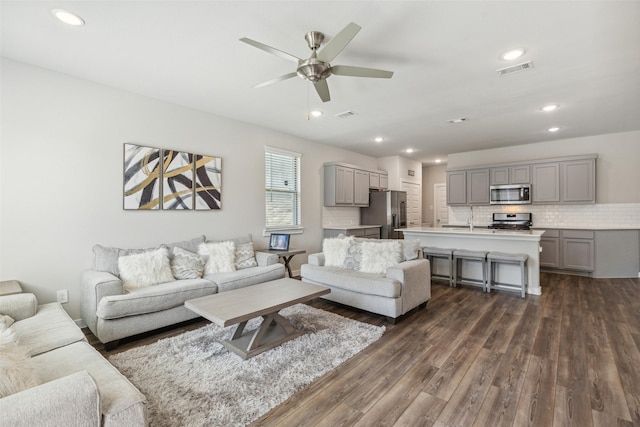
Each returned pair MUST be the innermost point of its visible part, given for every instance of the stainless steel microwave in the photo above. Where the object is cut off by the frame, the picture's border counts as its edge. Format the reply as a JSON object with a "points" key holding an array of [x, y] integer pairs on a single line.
{"points": [[519, 194]]}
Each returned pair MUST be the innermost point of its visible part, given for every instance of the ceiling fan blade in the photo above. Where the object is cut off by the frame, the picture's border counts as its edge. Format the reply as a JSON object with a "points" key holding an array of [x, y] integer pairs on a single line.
{"points": [[345, 70], [271, 50], [323, 90], [336, 44], [277, 79]]}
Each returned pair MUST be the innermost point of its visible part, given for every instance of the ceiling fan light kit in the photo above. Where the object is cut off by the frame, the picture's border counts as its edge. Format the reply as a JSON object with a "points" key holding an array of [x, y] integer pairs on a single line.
{"points": [[317, 68]]}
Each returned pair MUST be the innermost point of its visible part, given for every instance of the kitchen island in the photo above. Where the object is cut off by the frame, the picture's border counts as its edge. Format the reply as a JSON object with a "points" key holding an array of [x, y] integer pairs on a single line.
{"points": [[484, 239]]}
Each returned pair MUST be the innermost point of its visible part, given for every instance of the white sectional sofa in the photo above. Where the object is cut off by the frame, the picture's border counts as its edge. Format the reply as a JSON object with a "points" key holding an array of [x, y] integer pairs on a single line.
{"points": [[112, 311], [50, 375], [386, 279]]}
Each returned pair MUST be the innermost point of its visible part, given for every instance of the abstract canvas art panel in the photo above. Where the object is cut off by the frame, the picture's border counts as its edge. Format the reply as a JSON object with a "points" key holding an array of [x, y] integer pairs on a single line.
{"points": [[208, 182], [177, 179], [141, 177]]}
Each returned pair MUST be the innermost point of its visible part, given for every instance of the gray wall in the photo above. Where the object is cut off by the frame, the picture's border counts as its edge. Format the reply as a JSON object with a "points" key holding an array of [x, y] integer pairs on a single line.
{"points": [[617, 167], [61, 177]]}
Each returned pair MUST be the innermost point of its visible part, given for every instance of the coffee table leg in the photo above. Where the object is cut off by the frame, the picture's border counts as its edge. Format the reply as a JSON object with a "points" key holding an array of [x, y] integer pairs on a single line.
{"points": [[273, 331]]}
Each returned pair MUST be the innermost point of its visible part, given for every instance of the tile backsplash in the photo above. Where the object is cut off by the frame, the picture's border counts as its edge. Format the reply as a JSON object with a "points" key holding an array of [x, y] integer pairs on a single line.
{"points": [[624, 215], [340, 216]]}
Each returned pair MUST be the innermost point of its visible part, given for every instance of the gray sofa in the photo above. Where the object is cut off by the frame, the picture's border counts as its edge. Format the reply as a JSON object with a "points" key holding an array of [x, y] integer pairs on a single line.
{"points": [[392, 293], [112, 313], [74, 384]]}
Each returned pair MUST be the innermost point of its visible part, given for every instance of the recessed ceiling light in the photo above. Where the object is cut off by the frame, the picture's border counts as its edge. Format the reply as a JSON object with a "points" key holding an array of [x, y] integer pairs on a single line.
{"points": [[409, 150], [316, 113], [438, 160], [67, 17], [554, 129], [550, 107], [512, 54], [378, 139]]}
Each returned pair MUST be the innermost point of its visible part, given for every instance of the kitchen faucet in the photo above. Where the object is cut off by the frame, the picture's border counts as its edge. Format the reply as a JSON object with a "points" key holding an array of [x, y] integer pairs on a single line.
{"points": [[470, 220]]}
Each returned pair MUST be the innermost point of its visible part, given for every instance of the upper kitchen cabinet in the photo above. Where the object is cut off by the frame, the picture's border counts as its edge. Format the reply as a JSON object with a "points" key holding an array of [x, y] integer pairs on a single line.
{"points": [[338, 185], [506, 175], [570, 181], [457, 188], [348, 185], [478, 187]]}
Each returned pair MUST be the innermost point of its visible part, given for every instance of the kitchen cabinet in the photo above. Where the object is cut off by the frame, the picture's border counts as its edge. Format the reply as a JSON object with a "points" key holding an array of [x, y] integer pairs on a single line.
{"points": [[569, 250], [457, 188], [368, 232], [506, 175], [578, 181], [478, 187], [550, 244], [361, 188], [378, 181], [546, 183]]}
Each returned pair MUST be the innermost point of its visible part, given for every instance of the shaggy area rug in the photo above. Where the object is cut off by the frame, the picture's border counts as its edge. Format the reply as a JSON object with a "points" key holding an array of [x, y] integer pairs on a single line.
{"points": [[192, 380]]}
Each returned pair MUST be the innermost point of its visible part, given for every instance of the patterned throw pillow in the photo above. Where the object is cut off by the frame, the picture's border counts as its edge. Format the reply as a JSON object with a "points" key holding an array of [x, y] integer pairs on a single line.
{"points": [[245, 256], [186, 264], [220, 257], [354, 256]]}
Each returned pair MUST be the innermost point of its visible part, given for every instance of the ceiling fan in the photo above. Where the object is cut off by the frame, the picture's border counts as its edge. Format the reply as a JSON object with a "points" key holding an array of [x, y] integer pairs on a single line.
{"points": [[316, 68]]}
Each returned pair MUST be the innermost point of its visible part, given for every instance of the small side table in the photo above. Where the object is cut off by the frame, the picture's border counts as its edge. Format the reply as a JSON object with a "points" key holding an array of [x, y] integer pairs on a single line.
{"points": [[286, 256]]}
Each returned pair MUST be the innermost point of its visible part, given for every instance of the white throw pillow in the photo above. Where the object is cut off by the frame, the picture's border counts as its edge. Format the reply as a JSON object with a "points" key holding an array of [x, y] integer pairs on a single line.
{"points": [[186, 264], [245, 256], [335, 250], [378, 256], [220, 256], [16, 370], [145, 269]]}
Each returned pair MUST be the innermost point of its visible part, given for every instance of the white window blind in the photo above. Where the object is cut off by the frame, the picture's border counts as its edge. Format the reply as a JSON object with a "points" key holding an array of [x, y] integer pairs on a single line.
{"points": [[282, 188]]}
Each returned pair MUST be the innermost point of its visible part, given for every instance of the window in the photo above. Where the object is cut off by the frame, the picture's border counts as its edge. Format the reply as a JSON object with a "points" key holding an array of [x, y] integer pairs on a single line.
{"points": [[282, 189]]}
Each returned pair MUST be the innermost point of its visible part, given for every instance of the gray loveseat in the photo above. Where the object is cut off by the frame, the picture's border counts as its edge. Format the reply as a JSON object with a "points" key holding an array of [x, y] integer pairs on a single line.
{"points": [[69, 382], [112, 312], [392, 292]]}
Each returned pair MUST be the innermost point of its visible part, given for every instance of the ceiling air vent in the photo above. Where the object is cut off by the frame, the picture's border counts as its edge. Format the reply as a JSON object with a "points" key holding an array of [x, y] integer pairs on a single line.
{"points": [[515, 68], [345, 114]]}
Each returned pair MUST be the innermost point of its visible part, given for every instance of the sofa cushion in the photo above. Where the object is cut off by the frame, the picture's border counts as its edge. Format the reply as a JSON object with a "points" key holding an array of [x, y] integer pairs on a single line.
{"points": [[352, 280], [50, 328], [220, 256], [186, 264], [16, 370], [188, 245], [378, 256], [145, 269], [246, 277], [119, 399], [154, 298]]}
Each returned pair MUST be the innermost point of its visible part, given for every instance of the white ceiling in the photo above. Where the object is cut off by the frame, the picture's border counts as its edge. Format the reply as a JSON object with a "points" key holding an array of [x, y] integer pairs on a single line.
{"points": [[444, 54]]}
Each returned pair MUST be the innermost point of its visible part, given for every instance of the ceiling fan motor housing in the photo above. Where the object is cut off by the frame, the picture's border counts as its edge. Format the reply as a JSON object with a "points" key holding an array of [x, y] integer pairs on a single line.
{"points": [[314, 70]]}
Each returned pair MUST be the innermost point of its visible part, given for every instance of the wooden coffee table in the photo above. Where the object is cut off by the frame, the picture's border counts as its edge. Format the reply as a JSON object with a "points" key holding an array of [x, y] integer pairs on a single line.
{"points": [[266, 300]]}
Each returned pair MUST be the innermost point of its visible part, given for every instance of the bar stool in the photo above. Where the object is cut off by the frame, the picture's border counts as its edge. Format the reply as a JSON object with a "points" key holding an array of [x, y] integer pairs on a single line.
{"points": [[494, 258], [479, 256], [430, 252]]}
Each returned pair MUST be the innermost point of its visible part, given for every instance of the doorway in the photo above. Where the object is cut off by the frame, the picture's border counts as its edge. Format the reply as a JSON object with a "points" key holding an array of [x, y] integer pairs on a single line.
{"points": [[441, 210]]}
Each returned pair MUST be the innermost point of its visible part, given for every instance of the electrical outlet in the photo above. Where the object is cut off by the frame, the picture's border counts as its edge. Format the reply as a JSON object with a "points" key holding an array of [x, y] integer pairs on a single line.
{"points": [[63, 296]]}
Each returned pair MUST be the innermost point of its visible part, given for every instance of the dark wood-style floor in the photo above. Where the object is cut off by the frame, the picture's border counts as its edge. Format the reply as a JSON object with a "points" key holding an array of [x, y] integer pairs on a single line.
{"points": [[568, 357]]}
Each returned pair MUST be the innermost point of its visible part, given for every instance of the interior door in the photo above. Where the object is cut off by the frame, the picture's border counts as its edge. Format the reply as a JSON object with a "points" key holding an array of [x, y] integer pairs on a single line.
{"points": [[441, 210], [414, 203]]}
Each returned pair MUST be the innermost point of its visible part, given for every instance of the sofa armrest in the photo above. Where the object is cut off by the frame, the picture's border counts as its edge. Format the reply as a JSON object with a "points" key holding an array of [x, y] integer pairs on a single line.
{"points": [[316, 259], [95, 286], [264, 258], [19, 306], [415, 277], [72, 400]]}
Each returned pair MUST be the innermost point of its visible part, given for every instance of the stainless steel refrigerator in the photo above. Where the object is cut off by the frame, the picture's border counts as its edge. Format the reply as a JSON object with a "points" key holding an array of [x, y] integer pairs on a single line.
{"points": [[386, 208]]}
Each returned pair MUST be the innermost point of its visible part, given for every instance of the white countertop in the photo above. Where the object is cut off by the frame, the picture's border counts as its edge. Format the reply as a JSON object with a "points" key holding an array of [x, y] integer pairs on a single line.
{"points": [[478, 232], [556, 227], [349, 227]]}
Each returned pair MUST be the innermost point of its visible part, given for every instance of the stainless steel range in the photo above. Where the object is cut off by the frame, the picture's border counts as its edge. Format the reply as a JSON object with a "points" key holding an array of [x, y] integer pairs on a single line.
{"points": [[511, 221]]}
